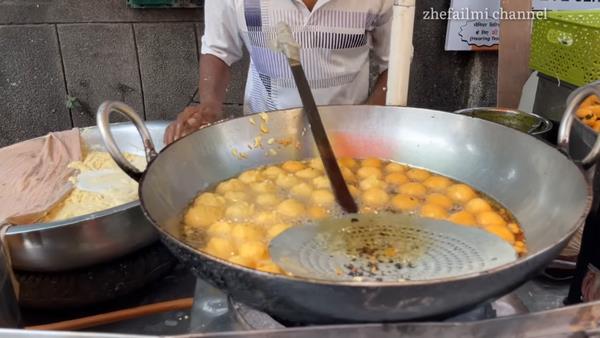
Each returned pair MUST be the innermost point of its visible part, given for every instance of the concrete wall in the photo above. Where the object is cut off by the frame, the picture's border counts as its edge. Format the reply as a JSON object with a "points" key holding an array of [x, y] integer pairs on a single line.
{"points": [[96, 50]]}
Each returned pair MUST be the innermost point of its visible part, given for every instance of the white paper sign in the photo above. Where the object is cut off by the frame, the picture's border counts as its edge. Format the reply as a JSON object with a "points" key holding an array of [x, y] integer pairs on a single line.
{"points": [[473, 25], [565, 4]]}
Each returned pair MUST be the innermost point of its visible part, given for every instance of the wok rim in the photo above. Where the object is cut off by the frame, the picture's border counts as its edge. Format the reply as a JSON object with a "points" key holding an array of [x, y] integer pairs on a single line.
{"points": [[369, 285]]}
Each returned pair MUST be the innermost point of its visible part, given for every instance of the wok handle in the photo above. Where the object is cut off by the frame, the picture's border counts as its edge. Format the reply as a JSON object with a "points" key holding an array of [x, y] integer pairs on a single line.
{"points": [[103, 122], [566, 124]]}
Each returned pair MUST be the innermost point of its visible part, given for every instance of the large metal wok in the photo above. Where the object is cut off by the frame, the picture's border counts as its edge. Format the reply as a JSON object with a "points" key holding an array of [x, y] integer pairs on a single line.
{"points": [[93, 238], [547, 192]]}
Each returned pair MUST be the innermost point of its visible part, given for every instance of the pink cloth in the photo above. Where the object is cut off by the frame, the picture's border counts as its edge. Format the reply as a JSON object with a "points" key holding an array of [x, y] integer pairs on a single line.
{"points": [[34, 175]]}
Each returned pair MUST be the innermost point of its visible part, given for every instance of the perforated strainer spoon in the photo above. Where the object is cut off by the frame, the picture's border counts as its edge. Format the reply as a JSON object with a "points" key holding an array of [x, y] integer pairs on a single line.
{"points": [[387, 247]]}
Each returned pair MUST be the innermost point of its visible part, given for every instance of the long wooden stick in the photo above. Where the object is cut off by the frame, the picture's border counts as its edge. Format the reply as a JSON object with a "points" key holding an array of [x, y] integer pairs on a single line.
{"points": [[116, 316]]}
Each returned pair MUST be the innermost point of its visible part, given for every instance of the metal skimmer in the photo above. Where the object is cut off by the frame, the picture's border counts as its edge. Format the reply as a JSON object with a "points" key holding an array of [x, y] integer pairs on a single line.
{"points": [[387, 248]]}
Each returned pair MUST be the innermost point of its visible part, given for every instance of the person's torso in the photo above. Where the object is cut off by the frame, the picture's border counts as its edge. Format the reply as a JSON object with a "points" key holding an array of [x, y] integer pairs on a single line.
{"points": [[335, 44]]}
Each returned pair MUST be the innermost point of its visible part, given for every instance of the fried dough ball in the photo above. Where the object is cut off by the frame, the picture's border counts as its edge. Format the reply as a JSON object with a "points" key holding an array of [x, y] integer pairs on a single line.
{"points": [[394, 168], [371, 162], [267, 200], [316, 163], [366, 172], [236, 196], [210, 199], [250, 176], [405, 203], [418, 174], [203, 215], [490, 218], [308, 173], [286, 181], [396, 178], [501, 232], [323, 198], [246, 232], [272, 172], [263, 187], [413, 189], [277, 229], [463, 218], [231, 185], [514, 228], [347, 162], [264, 218], [348, 175], [433, 211], [220, 228], [301, 190], [371, 182], [440, 199], [317, 213], [461, 193], [239, 211], [437, 183], [254, 250], [375, 197], [293, 166], [291, 208], [321, 182], [220, 247], [477, 205]]}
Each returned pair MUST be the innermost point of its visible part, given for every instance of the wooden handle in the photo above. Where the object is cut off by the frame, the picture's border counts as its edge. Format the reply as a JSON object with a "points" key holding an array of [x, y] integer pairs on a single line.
{"points": [[116, 316]]}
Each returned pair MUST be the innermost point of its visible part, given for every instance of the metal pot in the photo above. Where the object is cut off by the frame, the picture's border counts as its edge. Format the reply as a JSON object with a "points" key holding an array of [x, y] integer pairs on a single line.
{"points": [[9, 308], [530, 123], [547, 192], [88, 239]]}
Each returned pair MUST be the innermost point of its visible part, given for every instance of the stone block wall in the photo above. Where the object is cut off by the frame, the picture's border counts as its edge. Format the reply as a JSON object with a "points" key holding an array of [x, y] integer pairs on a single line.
{"points": [[85, 52]]}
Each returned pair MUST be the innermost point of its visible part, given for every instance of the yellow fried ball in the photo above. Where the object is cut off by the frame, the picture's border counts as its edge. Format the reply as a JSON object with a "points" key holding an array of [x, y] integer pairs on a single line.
{"points": [[321, 182], [323, 198], [348, 175], [219, 228], [490, 218], [366, 172], [265, 218], [291, 208], [375, 197], [272, 172], [210, 199], [394, 168], [348, 162], [286, 181], [231, 185], [418, 174], [236, 196], [293, 166], [463, 218], [263, 187], [413, 189], [246, 232], [308, 173], [316, 163], [203, 215], [301, 190], [267, 200], [440, 199], [254, 250], [502, 232], [514, 228], [433, 211], [396, 178], [405, 203], [371, 162], [371, 182], [461, 193], [220, 247], [250, 176], [239, 211], [477, 205], [317, 212], [437, 183]]}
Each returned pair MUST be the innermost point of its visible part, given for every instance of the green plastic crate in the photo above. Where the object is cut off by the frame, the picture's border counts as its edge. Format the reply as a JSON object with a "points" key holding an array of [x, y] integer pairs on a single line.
{"points": [[566, 46]]}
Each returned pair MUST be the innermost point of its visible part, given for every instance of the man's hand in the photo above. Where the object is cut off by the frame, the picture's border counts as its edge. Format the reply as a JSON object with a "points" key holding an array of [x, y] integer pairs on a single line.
{"points": [[191, 119]]}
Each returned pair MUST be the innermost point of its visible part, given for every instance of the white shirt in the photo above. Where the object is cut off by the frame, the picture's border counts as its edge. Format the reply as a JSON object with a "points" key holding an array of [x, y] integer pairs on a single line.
{"points": [[336, 38]]}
